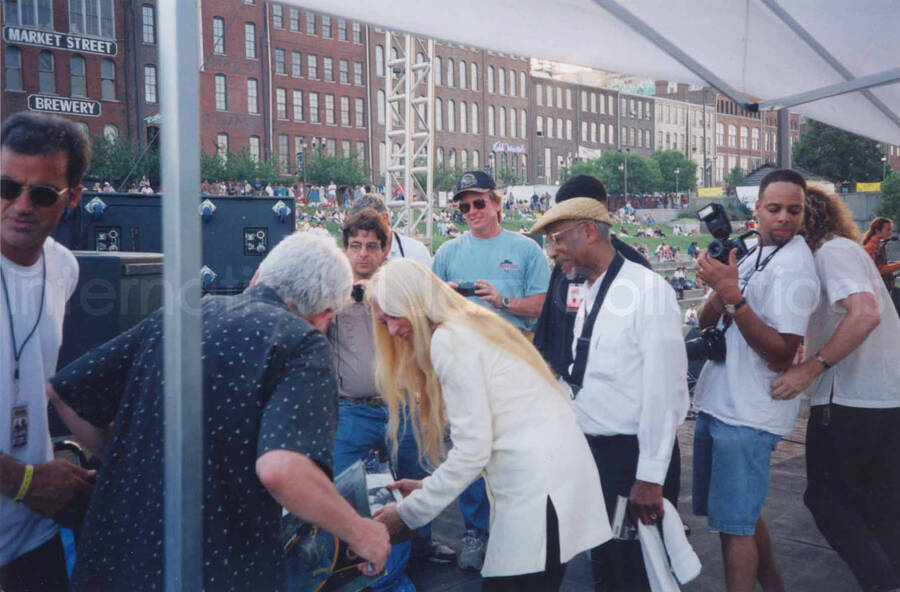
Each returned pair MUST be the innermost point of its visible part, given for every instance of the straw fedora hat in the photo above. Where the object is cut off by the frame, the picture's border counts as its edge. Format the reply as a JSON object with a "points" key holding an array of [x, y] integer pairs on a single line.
{"points": [[576, 208]]}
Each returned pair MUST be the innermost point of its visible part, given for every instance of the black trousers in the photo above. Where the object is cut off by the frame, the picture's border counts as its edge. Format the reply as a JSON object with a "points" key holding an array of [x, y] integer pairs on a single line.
{"points": [[853, 489], [42, 569], [618, 566], [548, 580]]}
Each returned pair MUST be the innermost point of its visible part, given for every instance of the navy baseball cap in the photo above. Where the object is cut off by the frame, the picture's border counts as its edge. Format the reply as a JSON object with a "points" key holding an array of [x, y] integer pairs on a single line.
{"points": [[477, 181]]}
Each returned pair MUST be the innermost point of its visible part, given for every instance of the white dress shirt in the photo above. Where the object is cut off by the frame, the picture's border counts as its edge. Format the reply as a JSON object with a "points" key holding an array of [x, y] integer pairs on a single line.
{"points": [[516, 429], [635, 381]]}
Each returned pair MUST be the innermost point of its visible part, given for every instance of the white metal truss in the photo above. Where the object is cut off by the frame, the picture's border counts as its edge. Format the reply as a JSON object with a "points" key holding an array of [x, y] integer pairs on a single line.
{"points": [[409, 135]]}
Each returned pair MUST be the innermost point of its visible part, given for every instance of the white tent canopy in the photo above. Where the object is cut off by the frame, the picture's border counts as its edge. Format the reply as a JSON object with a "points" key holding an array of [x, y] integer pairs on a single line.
{"points": [[758, 47]]}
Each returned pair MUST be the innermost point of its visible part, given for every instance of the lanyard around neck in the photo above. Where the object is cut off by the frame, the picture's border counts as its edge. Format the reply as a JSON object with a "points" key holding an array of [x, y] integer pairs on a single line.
{"points": [[17, 351]]}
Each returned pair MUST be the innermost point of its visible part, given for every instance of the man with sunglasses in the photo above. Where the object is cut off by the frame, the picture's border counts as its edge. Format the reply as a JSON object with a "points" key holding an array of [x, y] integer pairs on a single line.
{"points": [[510, 276], [42, 159]]}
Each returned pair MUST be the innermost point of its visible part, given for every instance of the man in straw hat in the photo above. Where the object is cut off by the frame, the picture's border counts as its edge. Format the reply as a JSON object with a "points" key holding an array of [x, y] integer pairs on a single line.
{"points": [[628, 375]]}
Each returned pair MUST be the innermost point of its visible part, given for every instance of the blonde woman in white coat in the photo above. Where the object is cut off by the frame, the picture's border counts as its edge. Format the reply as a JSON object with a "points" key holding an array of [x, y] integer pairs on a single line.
{"points": [[508, 421]]}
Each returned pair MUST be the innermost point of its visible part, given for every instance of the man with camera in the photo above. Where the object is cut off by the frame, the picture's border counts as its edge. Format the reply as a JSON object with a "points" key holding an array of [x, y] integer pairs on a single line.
{"points": [[362, 413], [505, 272], [759, 306]]}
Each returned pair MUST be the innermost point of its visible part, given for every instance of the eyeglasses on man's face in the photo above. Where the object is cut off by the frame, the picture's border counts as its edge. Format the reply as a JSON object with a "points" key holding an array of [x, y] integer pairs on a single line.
{"points": [[553, 237], [478, 204], [41, 195]]}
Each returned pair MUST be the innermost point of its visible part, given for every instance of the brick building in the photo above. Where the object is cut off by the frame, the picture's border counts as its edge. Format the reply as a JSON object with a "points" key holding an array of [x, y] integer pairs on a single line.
{"points": [[636, 123], [68, 57], [680, 126], [596, 118], [555, 145]]}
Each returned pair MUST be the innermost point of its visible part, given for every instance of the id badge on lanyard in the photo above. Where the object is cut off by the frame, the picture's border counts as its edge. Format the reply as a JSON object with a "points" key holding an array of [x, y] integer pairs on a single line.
{"points": [[574, 297]]}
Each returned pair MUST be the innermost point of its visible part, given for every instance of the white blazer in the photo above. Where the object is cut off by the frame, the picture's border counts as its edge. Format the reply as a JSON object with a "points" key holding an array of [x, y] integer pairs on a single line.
{"points": [[510, 425]]}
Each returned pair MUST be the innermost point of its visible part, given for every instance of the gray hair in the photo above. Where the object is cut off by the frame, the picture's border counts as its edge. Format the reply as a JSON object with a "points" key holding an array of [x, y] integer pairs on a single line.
{"points": [[603, 229], [369, 200], [308, 271]]}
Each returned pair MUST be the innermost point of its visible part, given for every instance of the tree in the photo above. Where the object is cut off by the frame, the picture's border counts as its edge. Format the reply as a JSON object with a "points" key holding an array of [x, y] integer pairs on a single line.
{"points": [[644, 175], [323, 168], [838, 155], [668, 161], [507, 176], [736, 178], [889, 204]]}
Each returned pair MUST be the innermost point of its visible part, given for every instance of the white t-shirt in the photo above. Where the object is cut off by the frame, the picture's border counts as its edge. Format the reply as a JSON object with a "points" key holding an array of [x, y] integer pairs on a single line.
{"points": [[23, 530], [783, 295], [412, 249], [870, 376]]}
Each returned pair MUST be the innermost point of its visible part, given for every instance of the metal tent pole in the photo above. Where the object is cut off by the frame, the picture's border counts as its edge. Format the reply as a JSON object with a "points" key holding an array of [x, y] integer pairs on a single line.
{"points": [[179, 67]]}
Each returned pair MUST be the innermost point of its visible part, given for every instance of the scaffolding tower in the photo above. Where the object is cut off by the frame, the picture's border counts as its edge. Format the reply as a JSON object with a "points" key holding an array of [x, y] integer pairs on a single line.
{"points": [[409, 135]]}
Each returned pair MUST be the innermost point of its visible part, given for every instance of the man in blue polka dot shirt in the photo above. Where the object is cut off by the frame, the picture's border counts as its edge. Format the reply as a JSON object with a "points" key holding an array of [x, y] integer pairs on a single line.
{"points": [[270, 405]]}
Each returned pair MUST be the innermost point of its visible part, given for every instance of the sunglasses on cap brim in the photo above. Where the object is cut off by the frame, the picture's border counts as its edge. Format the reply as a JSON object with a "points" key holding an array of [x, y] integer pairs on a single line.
{"points": [[41, 195], [479, 204]]}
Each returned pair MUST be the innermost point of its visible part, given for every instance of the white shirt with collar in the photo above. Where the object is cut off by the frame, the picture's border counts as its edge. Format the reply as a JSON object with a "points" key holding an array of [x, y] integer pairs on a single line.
{"points": [[635, 381]]}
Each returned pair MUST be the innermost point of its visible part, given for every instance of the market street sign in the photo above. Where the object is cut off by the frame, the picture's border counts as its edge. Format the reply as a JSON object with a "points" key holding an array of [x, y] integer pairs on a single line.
{"points": [[64, 105], [56, 40]]}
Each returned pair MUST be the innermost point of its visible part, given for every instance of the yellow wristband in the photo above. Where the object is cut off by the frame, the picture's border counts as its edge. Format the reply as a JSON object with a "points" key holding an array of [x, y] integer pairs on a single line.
{"points": [[26, 483]]}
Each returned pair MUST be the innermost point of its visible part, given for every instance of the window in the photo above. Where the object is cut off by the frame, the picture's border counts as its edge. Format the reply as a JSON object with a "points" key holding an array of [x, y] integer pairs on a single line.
{"points": [[513, 128], [297, 101], [313, 100], [254, 148], [476, 160], [473, 76], [283, 151], [451, 158], [647, 139], [463, 117], [611, 133], [450, 72], [539, 125], [462, 74], [755, 138], [610, 107], [296, 64], [30, 13], [148, 24], [602, 132], [108, 80], [490, 122], [380, 107], [150, 83], [451, 116], [474, 119], [357, 33], [342, 30], [252, 96], [310, 23], [490, 79], [584, 101], [439, 114], [344, 71], [345, 148], [221, 93], [522, 92], [328, 69], [330, 146], [379, 61], [559, 97], [218, 29], [568, 129], [720, 134], [46, 75], [279, 62], [312, 66], [549, 96], [94, 17], [326, 27], [278, 16], [539, 95], [250, 41], [501, 81], [569, 99], [111, 133], [360, 112], [732, 136], [13, 66], [744, 137], [294, 19], [523, 132], [345, 111], [358, 74], [78, 85], [464, 158], [512, 83], [440, 157], [329, 109], [594, 132]]}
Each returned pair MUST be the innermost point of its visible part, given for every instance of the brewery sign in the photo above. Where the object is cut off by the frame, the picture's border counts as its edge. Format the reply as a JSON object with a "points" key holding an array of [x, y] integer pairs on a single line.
{"points": [[64, 105]]}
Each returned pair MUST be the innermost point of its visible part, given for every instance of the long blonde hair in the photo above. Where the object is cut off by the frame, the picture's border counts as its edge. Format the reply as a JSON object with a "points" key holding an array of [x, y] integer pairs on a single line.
{"points": [[826, 216], [404, 373]]}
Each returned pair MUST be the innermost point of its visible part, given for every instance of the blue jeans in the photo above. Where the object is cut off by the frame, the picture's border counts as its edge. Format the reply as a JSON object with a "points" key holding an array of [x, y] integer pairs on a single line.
{"points": [[475, 508], [362, 427]]}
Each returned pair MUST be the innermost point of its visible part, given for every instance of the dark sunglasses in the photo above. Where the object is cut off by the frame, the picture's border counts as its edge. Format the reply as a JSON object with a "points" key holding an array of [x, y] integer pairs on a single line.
{"points": [[41, 195], [478, 203]]}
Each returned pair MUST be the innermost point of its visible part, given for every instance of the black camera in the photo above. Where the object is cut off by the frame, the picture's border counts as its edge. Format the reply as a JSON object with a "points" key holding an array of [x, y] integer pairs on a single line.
{"points": [[709, 345], [718, 225], [358, 293], [466, 288]]}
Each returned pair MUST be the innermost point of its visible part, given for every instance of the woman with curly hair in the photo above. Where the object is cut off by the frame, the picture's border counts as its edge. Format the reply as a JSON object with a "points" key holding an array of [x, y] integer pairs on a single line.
{"points": [[448, 361], [851, 366]]}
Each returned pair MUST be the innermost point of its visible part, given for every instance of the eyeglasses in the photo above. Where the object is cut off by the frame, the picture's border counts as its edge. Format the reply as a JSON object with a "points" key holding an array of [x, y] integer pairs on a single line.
{"points": [[41, 195], [479, 204], [553, 237]]}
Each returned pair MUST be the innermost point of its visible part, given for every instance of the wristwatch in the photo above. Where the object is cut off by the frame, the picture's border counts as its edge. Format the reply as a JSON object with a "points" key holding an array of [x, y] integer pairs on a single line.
{"points": [[733, 308], [504, 302], [825, 365]]}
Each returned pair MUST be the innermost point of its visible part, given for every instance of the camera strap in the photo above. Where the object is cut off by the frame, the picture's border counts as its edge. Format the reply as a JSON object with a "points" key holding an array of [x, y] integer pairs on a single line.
{"points": [[759, 266], [583, 345]]}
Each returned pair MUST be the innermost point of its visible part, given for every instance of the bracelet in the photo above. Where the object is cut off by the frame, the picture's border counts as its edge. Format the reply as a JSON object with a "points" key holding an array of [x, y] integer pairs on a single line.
{"points": [[26, 483]]}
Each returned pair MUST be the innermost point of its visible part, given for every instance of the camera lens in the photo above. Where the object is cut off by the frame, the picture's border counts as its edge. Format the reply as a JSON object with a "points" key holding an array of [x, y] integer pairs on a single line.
{"points": [[715, 249]]}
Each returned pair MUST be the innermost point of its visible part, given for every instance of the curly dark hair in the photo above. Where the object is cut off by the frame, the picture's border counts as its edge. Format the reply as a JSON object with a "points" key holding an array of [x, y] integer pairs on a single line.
{"points": [[366, 219], [826, 216]]}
